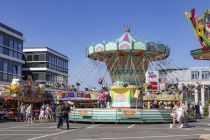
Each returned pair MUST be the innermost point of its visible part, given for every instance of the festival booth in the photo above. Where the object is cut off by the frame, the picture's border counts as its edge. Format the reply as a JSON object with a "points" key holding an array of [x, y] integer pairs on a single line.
{"points": [[88, 99], [163, 98], [19, 92]]}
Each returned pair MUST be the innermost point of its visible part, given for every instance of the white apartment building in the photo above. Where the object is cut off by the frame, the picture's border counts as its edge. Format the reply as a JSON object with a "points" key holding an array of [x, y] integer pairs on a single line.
{"points": [[190, 76]]}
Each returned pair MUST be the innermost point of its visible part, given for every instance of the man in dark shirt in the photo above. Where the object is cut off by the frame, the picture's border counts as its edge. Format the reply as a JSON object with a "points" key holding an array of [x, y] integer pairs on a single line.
{"points": [[65, 111]]}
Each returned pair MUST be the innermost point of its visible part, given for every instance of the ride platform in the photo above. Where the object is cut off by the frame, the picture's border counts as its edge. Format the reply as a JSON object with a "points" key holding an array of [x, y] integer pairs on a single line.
{"points": [[94, 115]]}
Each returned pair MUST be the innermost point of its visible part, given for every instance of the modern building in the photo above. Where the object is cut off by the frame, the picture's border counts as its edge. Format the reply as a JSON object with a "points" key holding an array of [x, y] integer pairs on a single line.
{"points": [[11, 54], [46, 66], [190, 76]]}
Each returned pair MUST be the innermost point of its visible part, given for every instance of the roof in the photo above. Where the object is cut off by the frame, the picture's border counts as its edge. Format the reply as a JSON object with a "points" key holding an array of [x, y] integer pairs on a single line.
{"points": [[44, 49], [11, 29]]}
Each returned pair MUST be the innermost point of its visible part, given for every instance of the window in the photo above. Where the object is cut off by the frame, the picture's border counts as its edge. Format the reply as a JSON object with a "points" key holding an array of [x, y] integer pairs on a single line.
{"points": [[10, 77], [11, 53], [9, 66], [15, 44], [14, 69], [20, 46], [6, 40], [5, 51], [15, 54], [19, 69], [1, 50], [4, 76], [5, 66], [194, 74], [205, 75], [1, 38], [36, 57], [20, 56], [42, 57], [11, 43], [29, 57], [35, 76], [1, 64], [1, 76]]}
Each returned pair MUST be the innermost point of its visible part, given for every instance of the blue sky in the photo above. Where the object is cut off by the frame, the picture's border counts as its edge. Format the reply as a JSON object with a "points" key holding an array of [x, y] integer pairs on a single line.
{"points": [[69, 26]]}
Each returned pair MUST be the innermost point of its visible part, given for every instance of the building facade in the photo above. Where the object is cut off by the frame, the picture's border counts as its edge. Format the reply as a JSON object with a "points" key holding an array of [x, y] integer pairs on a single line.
{"points": [[46, 66], [11, 54], [190, 76]]}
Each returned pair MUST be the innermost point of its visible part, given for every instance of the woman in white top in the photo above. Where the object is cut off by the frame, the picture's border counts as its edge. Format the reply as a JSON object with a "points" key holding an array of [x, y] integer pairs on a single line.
{"points": [[201, 110], [180, 115]]}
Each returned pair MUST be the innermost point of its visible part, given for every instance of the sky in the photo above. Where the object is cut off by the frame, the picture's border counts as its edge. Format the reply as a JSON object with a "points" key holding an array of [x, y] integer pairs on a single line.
{"points": [[69, 26]]}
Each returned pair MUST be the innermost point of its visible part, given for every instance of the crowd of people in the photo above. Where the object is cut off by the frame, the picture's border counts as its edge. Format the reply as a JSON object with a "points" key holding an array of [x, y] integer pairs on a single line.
{"points": [[104, 100], [181, 111], [30, 112]]}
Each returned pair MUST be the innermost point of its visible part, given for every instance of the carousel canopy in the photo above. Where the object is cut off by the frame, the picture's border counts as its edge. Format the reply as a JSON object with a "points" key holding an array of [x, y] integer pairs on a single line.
{"points": [[127, 58]]}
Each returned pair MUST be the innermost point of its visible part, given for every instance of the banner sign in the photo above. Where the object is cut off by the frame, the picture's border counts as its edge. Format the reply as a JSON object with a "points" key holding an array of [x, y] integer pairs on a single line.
{"points": [[152, 79]]}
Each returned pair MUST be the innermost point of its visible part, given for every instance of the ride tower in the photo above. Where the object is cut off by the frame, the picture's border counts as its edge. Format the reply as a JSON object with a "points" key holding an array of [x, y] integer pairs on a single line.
{"points": [[127, 59]]}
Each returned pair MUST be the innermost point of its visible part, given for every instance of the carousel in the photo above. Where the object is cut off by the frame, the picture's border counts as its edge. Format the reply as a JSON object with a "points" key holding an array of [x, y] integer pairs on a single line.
{"points": [[201, 27], [126, 61]]}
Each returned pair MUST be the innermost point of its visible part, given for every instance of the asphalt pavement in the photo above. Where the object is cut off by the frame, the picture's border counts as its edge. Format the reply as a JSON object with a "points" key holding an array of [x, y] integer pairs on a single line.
{"points": [[81, 131]]}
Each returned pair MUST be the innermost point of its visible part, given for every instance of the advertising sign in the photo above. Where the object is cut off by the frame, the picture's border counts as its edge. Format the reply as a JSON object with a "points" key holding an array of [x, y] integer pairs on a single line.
{"points": [[152, 80]]}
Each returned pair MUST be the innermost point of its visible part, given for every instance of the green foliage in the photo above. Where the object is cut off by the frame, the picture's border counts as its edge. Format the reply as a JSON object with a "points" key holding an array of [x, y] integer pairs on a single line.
{"points": [[206, 108]]}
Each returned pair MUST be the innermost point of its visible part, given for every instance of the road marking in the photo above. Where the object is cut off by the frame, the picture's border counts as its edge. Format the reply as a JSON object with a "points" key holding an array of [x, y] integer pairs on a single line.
{"points": [[18, 126], [132, 126], [53, 126], [48, 135], [93, 126], [21, 134], [25, 130], [34, 127], [145, 137]]}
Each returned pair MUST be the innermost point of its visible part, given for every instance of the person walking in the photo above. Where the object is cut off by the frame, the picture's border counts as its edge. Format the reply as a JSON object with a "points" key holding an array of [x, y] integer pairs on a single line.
{"points": [[174, 116], [180, 114], [22, 112], [108, 100], [59, 116], [197, 111], [201, 111], [185, 114], [65, 111], [29, 115]]}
